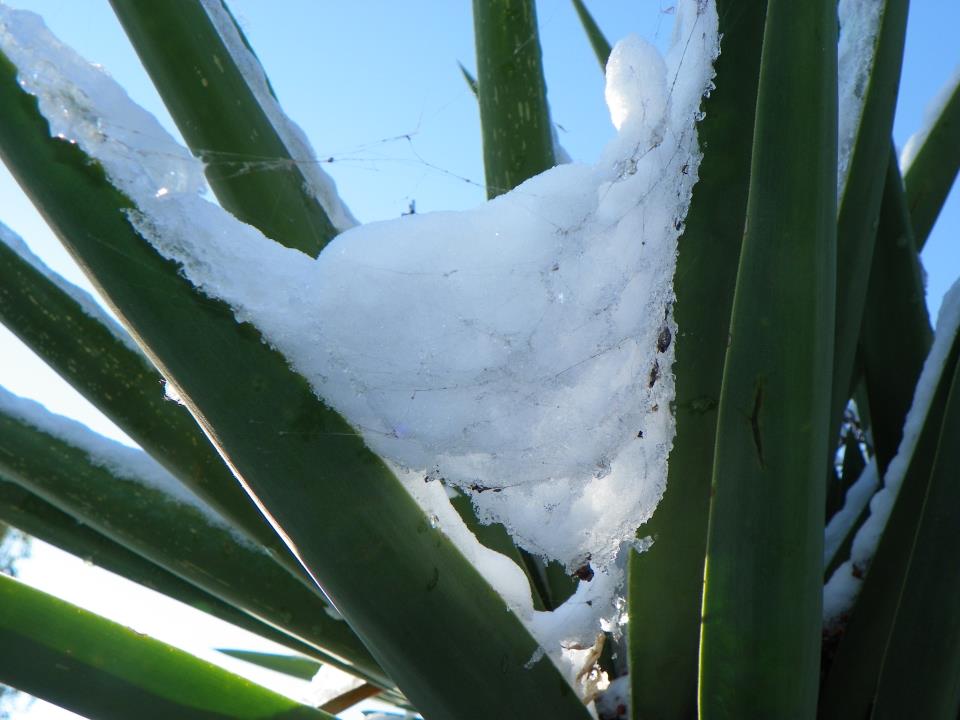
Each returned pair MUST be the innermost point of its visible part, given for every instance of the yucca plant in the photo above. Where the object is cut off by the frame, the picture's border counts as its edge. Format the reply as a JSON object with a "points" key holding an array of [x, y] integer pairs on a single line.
{"points": [[440, 482]]}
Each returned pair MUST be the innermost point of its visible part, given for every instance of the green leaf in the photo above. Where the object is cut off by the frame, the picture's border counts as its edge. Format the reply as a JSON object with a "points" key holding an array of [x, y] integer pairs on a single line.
{"points": [[601, 48], [921, 662], [665, 582], [96, 668], [298, 667], [248, 165], [469, 79], [173, 534], [895, 336], [860, 204], [514, 115], [933, 170], [38, 518], [305, 464], [850, 687], [126, 388], [760, 643]]}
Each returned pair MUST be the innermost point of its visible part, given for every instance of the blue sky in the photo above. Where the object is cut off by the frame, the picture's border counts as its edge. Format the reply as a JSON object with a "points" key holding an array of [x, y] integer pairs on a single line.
{"points": [[375, 85]]}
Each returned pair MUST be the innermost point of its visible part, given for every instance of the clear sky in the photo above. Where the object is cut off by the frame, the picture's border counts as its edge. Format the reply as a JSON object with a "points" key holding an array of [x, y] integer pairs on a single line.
{"points": [[375, 85]]}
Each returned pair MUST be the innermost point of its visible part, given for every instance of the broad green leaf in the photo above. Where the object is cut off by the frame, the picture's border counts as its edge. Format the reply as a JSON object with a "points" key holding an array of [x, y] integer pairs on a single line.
{"points": [[514, 115], [850, 688], [305, 464], [96, 668], [296, 666], [248, 165], [126, 388], [173, 534], [895, 336], [860, 203], [921, 661], [600, 45], [760, 643], [25, 511], [666, 581], [934, 167]]}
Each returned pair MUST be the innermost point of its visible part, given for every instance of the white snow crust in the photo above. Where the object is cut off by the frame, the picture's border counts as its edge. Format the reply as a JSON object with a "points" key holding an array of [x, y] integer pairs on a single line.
{"points": [[125, 462], [83, 298], [930, 116], [856, 49], [614, 703], [520, 352], [841, 591], [84, 105], [318, 183], [856, 499]]}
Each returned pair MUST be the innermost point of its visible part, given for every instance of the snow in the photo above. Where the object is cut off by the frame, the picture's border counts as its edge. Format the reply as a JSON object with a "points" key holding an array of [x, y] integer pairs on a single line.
{"points": [[856, 499], [842, 589], [614, 703], [327, 684], [520, 352], [87, 304], [318, 183], [143, 158], [857, 44], [930, 117], [124, 462]]}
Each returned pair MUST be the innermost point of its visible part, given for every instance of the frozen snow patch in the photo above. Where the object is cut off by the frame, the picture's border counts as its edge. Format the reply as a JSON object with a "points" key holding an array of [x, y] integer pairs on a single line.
{"points": [[125, 462], [841, 591], [520, 352], [83, 104], [854, 502]]}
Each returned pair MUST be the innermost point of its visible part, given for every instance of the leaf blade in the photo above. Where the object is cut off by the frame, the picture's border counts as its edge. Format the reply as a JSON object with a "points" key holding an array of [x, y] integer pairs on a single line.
{"points": [[861, 201], [92, 666], [298, 667], [170, 533], [514, 115], [765, 541], [125, 387], [895, 335], [922, 656], [211, 98], [38, 518], [599, 43], [851, 685], [665, 582], [932, 171]]}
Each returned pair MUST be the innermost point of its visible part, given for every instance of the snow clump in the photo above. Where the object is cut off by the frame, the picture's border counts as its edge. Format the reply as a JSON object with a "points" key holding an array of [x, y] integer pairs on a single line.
{"points": [[519, 352]]}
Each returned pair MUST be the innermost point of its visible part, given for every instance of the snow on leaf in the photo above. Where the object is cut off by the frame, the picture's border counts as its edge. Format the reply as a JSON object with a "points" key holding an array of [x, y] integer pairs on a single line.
{"points": [[516, 350]]}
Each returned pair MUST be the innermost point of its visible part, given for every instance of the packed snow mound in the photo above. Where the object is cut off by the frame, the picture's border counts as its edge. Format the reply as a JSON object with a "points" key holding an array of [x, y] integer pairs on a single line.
{"points": [[519, 352]]}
